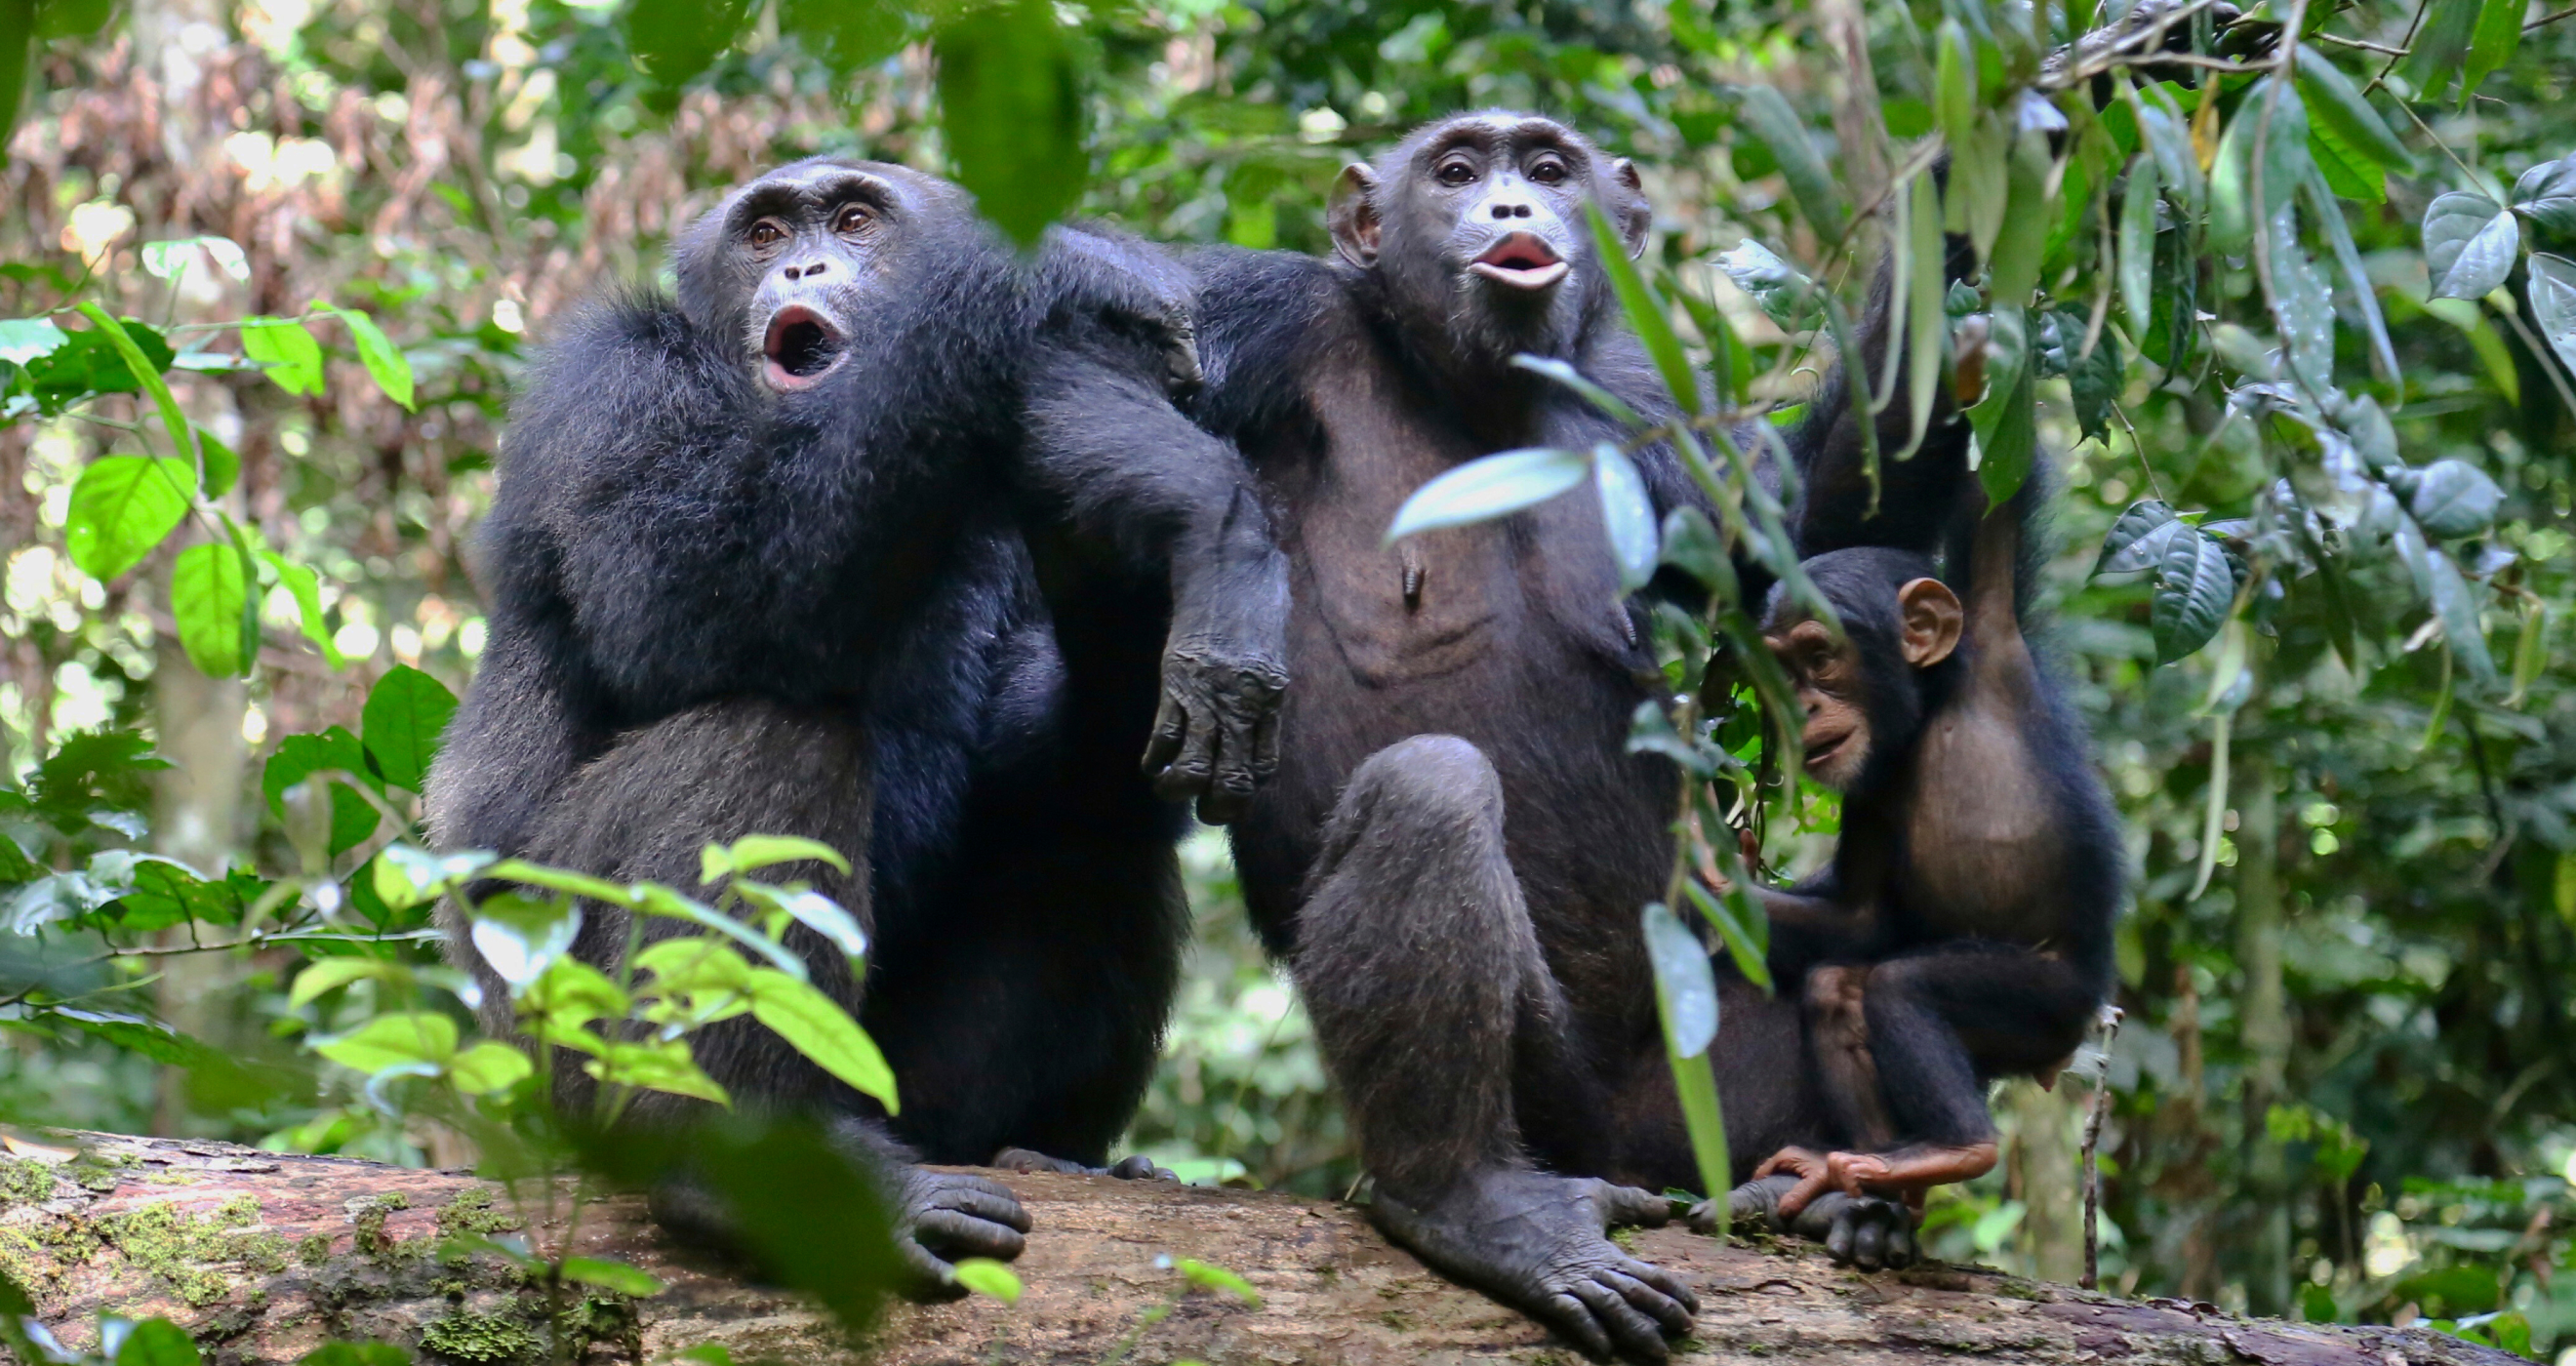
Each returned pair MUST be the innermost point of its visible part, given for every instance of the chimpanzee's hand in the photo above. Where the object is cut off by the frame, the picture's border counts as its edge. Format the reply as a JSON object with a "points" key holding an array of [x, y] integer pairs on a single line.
{"points": [[1535, 1242], [1216, 737], [942, 1217], [1857, 1230], [1134, 1167], [1133, 287]]}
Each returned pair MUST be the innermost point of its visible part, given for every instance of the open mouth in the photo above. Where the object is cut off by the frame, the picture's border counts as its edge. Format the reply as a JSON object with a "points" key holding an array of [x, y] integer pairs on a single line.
{"points": [[801, 348], [1522, 260], [1821, 752]]}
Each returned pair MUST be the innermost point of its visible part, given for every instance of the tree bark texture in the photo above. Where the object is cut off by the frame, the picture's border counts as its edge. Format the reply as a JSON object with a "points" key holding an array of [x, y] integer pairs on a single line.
{"points": [[263, 1256]]}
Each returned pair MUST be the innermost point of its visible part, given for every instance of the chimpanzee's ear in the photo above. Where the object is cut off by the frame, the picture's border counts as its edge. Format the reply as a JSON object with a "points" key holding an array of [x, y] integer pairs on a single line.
{"points": [[1632, 213], [1352, 215], [1927, 621]]}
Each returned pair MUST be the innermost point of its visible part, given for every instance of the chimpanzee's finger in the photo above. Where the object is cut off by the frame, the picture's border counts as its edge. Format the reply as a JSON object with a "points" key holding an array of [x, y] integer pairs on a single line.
{"points": [[1620, 1205], [1171, 726], [1570, 1316], [1666, 1285], [1636, 1334], [1811, 1183], [1188, 774], [1869, 1241]]}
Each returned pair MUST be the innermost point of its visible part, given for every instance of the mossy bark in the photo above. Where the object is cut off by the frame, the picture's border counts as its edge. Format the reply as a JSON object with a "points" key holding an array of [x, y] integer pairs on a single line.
{"points": [[264, 1256]]}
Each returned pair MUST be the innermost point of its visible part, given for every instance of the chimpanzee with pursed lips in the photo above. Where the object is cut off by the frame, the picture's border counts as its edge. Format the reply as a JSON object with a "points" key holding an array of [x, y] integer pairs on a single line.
{"points": [[1456, 848], [1963, 930], [881, 536]]}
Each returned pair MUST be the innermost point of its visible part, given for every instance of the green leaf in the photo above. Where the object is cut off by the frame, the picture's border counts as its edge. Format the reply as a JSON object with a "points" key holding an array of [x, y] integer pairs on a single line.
{"points": [[2023, 239], [1981, 181], [2545, 194], [2441, 43], [2553, 304], [330, 974], [121, 510], [989, 1278], [673, 40], [2136, 540], [489, 1066], [2491, 43], [1627, 513], [822, 1031], [2138, 245], [208, 597], [2457, 605], [608, 1275], [356, 1354], [1210, 1276], [288, 352], [2347, 172], [1644, 311], [1565, 374], [406, 712], [171, 259], [814, 911], [1704, 1118], [157, 1342], [1737, 918], [1494, 486], [1692, 546], [2454, 498], [2301, 302], [664, 1066], [1768, 115], [2231, 209], [752, 853], [407, 1038], [1776, 287], [306, 588], [1684, 987], [298, 757], [2093, 378], [694, 963], [2469, 245], [1011, 110], [520, 936], [2168, 135], [219, 466], [1927, 327], [1954, 84], [2194, 589], [24, 339], [146, 371], [2357, 283], [386, 364], [2334, 103]]}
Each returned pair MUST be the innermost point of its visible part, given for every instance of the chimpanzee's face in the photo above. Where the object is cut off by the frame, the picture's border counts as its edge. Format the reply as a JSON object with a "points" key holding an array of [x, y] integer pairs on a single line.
{"points": [[1862, 688], [1477, 226], [794, 262]]}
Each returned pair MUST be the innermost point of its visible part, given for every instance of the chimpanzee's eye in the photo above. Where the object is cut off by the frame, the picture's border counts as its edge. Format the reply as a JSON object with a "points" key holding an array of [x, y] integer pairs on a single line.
{"points": [[1547, 170], [765, 234], [1456, 171], [851, 217]]}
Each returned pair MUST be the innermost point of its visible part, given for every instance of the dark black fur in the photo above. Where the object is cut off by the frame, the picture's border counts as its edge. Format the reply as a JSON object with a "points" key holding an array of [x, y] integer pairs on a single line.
{"points": [[1458, 845], [917, 609]]}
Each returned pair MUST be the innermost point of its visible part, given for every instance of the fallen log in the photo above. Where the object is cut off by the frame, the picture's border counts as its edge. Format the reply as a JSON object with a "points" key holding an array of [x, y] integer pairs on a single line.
{"points": [[264, 1256]]}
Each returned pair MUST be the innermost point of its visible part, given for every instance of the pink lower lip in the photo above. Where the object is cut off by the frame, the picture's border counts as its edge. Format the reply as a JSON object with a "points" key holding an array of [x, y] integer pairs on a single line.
{"points": [[1522, 277]]}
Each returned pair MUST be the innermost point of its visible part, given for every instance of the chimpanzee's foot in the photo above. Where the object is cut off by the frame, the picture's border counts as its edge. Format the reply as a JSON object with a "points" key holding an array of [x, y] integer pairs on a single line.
{"points": [[1535, 1242], [944, 1217], [1857, 1230], [1135, 1167]]}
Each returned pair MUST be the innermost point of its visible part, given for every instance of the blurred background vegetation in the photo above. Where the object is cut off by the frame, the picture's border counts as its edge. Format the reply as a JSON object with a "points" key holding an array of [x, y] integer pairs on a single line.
{"points": [[2346, 1088]]}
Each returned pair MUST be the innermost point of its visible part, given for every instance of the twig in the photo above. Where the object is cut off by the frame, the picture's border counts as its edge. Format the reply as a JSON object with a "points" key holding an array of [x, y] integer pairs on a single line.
{"points": [[2110, 1022], [2548, 19], [2409, 44], [2465, 172], [2341, 41], [2540, 352]]}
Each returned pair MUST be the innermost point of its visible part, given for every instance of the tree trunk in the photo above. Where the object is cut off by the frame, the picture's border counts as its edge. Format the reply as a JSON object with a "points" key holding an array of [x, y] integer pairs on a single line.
{"points": [[2263, 1025], [264, 1255]]}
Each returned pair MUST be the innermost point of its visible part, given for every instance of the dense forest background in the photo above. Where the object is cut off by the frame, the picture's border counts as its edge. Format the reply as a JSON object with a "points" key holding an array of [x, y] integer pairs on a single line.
{"points": [[2345, 1088]]}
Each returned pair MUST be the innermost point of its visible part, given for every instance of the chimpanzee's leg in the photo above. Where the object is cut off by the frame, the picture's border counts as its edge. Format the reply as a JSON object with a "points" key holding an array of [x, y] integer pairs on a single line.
{"points": [[1423, 973]]}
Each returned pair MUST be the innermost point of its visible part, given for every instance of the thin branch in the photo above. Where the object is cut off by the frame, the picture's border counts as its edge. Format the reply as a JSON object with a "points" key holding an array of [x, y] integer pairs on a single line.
{"points": [[2409, 44], [2465, 172], [2547, 19], [2341, 41], [2541, 353]]}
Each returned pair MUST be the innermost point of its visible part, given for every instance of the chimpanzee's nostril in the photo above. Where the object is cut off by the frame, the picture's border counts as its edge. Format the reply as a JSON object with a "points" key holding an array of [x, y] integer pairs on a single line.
{"points": [[1520, 211], [813, 270], [1502, 211]]}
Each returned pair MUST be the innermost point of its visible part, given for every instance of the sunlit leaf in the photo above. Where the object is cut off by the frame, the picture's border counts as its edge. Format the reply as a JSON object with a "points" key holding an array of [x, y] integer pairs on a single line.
{"points": [[406, 713], [2137, 538], [208, 597], [487, 1067], [1209, 1276], [220, 465], [145, 368], [2455, 498], [330, 974], [662, 1066], [171, 259], [521, 936], [1927, 327], [752, 853], [824, 1033], [2301, 302], [1776, 287], [1494, 486], [2469, 245], [1011, 111], [2457, 605], [407, 1037], [306, 588], [2545, 194], [2333, 101], [122, 508], [1564, 373], [2553, 303], [2194, 588], [1768, 115], [386, 364], [814, 911], [988, 1278], [608, 1275], [286, 351], [1684, 986], [1627, 513], [24, 339], [2491, 43]]}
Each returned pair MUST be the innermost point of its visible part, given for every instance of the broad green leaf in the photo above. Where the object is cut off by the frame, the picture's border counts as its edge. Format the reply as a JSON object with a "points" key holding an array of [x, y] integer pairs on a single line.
{"points": [[407, 875], [298, 757], [2529, 653], [848, 35], [487, 1067], [1954, 83], [2194, 589], [663, 1066], [1691, 545], [2136, 538], [157, 1342], [1786, 296], [1736, 916], [2348, 173], [522, 936], [2491, 43], [1768, 115], [2138, 245], [608, 1275], [1645, 313], [122, 508], [2231, 205], [2553, 303], [406, 712], [814, 911], [208, 597], [2545, 194], [2454, 498], [2469, 244], [1011, 111], [988, 1278], [2301, 302], [402, 1039], [330, 974], [1494, 486], [571, 992], [1927, 326], [1704, 1119], [2093, 378], [288, 353], [2168, 135], [673, 40], [24, 339], [221, 467], [2023, 239], [171, 259], [147, 373], [1210, 1276], [1981, 181], [2457, 605], [752, 853], [694, 963], [652, 898], [823, 1032], [1684, 986], [2440, 46], [2335, 103], [2357, 282], [1627, 513], [1565, 374], [386, 364], [301, 582]]}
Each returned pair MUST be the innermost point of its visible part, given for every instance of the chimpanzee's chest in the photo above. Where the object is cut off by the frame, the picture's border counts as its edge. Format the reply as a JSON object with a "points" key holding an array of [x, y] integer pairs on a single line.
{"points": [[1982, 856]]}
